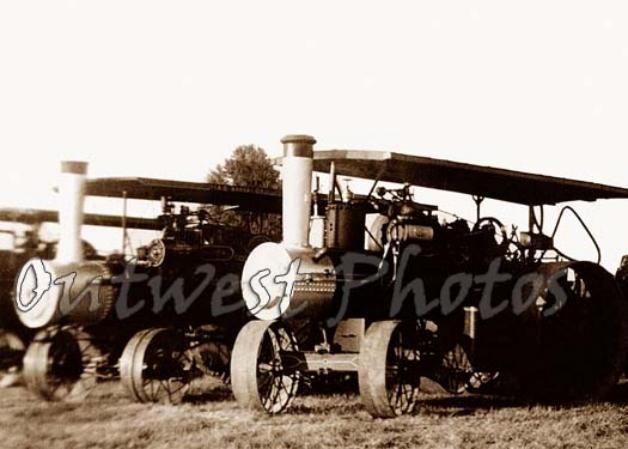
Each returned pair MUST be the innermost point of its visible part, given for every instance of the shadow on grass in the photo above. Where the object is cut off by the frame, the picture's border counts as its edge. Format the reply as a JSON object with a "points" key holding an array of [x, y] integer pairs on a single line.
{"points": [[467, 404], [448, 405], [340, 404], [441, 405], [213, 395], [347, 402]]}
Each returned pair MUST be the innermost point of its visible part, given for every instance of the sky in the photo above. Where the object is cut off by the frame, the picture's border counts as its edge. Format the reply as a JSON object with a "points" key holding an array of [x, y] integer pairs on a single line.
{"points": [[168, 89]]}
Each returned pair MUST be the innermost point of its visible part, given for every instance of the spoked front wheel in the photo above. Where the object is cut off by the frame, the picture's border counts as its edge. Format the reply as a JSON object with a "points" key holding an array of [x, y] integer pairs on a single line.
{"points": [[388, 374], [260, 377], [156, 366], [61, 364]]}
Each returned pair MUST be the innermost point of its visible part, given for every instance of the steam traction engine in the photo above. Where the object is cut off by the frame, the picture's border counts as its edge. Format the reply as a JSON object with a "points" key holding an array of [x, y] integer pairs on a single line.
{"points": [[394, 294], [162, 319]]}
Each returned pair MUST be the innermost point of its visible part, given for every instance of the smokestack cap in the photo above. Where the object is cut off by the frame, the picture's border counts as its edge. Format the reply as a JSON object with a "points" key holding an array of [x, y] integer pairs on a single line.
{"points": [[298, 145], [74, 167]]}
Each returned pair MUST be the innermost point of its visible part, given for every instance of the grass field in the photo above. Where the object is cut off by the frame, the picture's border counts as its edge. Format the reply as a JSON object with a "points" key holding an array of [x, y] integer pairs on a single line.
{"points": [[109, 420]]}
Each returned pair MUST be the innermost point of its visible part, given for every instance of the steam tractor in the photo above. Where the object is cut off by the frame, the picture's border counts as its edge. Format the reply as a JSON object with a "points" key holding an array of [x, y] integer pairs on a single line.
{"points": [[25, 247], [393, 293], [160, 319]]}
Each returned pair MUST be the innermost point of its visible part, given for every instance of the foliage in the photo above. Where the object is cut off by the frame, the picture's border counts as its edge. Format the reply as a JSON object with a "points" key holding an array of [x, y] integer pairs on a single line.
{"points": [[248, 166]]}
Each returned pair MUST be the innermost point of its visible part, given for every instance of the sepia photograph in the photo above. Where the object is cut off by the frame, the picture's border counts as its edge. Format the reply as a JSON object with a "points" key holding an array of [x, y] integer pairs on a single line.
{"points": [[291, 224]]}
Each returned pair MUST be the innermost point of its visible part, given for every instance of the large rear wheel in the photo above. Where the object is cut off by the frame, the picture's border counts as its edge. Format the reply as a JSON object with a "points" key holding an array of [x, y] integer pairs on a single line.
{"points": [[582, 334]]}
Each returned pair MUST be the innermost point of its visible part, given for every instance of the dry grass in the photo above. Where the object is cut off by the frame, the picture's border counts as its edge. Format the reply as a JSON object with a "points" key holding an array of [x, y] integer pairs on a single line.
{"points": [[109, 420]]}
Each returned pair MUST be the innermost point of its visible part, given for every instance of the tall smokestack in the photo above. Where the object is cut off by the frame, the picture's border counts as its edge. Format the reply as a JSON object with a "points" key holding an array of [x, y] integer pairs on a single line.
{"points": [[313, 283], [298, 151], [71, 199], [66, 289]]}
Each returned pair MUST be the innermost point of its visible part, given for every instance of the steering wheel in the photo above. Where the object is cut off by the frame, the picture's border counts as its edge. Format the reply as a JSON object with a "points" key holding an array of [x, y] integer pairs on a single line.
{"points": [[503, 242]]}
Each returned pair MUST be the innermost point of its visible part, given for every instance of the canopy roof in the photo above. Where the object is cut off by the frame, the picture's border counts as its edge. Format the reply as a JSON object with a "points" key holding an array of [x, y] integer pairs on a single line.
{"points": [[245, 198], [507, 185], [35, 216]]}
